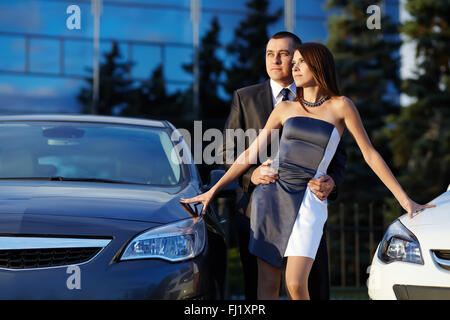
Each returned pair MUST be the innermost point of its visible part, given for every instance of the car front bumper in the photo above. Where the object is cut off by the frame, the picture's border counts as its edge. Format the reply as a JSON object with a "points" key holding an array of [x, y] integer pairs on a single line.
{"points": [[408, 281], [408, 292], [140, 279]]}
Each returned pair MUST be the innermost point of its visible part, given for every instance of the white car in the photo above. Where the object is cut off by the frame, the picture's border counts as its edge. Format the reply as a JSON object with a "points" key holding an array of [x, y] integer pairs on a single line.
{"points": [[412, 261]]}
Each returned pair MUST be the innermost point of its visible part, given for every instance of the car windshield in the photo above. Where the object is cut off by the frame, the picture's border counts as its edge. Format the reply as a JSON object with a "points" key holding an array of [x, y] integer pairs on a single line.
{"points": [[87, 151]]}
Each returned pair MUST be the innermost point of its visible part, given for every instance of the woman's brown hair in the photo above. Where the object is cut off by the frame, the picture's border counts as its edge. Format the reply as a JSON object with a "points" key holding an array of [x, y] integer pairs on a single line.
{"points": [[321, 63]]}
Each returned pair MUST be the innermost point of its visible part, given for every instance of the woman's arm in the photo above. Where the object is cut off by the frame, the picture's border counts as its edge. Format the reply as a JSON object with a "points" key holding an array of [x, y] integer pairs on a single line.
{"points": [[354, 124], [245, 159]]}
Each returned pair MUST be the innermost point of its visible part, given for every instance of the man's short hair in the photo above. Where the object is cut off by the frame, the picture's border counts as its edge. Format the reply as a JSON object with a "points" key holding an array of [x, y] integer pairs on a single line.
{"points": [[286, 34]]}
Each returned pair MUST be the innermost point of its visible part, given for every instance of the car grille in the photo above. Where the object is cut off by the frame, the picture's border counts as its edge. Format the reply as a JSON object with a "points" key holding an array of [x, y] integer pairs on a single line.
{"points": [[42, 258], [409, 292], [442, 258], [24, 252]]}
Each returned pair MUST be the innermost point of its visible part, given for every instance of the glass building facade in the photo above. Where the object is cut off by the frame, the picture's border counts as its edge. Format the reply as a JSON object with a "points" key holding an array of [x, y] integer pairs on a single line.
{"points": [[43, 62]]}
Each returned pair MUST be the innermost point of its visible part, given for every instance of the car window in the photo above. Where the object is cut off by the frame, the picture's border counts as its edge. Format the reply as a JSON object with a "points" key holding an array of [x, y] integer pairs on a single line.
{"points": [[131, 154]]}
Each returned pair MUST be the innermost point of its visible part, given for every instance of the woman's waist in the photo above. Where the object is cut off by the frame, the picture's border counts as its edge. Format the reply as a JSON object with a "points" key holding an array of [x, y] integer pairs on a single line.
{"points": [[293, 171]]}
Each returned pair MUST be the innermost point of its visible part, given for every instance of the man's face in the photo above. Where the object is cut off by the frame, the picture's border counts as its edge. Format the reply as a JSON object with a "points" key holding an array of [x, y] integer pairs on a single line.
{"points": [[279, 53]]}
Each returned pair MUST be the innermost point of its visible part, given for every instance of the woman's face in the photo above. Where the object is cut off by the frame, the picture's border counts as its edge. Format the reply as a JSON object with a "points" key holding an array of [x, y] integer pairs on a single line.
{"points": [[303, 76]]}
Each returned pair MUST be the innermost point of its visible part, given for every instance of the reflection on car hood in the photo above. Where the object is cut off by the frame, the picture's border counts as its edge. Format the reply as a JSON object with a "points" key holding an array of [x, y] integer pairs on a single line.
{"points": [[438, 216], [99, 200], [432, 226]]}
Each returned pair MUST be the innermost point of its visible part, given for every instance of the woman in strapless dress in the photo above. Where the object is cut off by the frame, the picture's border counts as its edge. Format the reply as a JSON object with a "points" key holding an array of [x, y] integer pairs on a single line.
{"points": [[286, 217]]}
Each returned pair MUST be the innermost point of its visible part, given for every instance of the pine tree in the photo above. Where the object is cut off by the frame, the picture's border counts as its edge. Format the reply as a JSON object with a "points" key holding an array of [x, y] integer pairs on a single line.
{"points": [[249, 45], [211, 71], [115, 83], [367, 66], [420, 135], [151, 100]]}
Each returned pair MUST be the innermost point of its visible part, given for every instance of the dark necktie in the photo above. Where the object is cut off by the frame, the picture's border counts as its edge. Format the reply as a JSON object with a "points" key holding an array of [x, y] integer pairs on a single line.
{"points": [[285, 94]]}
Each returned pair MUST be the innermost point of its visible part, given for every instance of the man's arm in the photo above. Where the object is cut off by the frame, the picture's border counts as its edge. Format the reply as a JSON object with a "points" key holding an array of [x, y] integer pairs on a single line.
{"points": [[235, 121], [327, 185], [336, 169]]}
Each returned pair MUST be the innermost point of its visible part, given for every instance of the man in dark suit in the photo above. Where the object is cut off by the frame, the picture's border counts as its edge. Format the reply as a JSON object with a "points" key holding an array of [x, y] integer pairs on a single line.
{"points": [[250, 109]]}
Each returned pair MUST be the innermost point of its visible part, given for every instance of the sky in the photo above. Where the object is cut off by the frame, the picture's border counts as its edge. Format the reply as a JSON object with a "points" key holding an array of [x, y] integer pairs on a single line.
{"points": [[148, 23]]}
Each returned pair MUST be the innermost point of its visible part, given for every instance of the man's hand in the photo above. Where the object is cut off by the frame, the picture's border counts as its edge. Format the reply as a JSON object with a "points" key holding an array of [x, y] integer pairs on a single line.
{"points": [[264, 174], [321, 187]]}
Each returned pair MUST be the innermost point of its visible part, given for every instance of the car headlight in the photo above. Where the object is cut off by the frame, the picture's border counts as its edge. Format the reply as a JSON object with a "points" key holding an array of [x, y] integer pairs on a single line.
{"points": [[177, 241], [399, 244]]}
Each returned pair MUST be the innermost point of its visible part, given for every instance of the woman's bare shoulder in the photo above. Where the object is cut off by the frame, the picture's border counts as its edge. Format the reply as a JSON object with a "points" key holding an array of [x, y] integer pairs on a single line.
{"points": [[342, 104], [342, 101], [284, 107]]}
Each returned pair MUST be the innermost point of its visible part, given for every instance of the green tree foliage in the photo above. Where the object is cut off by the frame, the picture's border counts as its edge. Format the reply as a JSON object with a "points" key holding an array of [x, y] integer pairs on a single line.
{"points": [[249, 45], [119, 94], [151, 100], [115, 84], [211, 71], [420, 134], [367, 66]]}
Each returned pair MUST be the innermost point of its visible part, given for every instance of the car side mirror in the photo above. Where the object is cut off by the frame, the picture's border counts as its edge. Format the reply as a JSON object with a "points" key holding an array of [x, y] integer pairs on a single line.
{"points": [[214, 177]]}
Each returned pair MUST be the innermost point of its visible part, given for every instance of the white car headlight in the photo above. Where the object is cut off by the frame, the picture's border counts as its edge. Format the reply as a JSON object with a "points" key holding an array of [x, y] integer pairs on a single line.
{"points": [[177, 241], [399, 244]]}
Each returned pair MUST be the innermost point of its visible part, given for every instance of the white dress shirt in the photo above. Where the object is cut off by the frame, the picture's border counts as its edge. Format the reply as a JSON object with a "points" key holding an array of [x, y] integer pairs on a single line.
{"points": [[276, 92]]}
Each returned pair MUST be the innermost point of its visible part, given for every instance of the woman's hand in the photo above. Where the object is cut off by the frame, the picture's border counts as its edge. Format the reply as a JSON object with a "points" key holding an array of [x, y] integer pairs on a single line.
{"points": [[204, 198], [412, 207]]}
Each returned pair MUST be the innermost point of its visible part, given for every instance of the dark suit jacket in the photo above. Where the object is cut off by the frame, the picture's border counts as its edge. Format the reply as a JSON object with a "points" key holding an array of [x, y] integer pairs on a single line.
{"points": [[250, 108]]}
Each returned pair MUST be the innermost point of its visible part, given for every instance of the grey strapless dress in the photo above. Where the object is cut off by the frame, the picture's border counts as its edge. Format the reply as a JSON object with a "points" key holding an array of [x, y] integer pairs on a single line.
{"points": [[286, 217]]}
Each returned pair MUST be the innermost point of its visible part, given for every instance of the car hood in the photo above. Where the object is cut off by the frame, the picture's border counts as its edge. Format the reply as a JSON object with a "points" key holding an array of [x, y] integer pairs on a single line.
{"points": [[97, 200], [432, 226], [438, 216]]}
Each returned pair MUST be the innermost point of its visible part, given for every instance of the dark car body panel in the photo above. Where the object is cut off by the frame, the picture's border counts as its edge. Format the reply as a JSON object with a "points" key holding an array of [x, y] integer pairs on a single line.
{"points": [[118, 212], [101, 278], [101, 200]]}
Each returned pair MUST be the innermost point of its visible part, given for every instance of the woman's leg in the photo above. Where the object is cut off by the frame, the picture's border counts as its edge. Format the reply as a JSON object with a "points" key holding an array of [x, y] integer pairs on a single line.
{"points": [[269, 278], [297, 273]]}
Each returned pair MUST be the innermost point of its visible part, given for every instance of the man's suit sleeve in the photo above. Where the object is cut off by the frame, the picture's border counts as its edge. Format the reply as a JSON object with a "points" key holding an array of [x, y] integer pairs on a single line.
{"points": [[235, 121], [336, 169]]}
